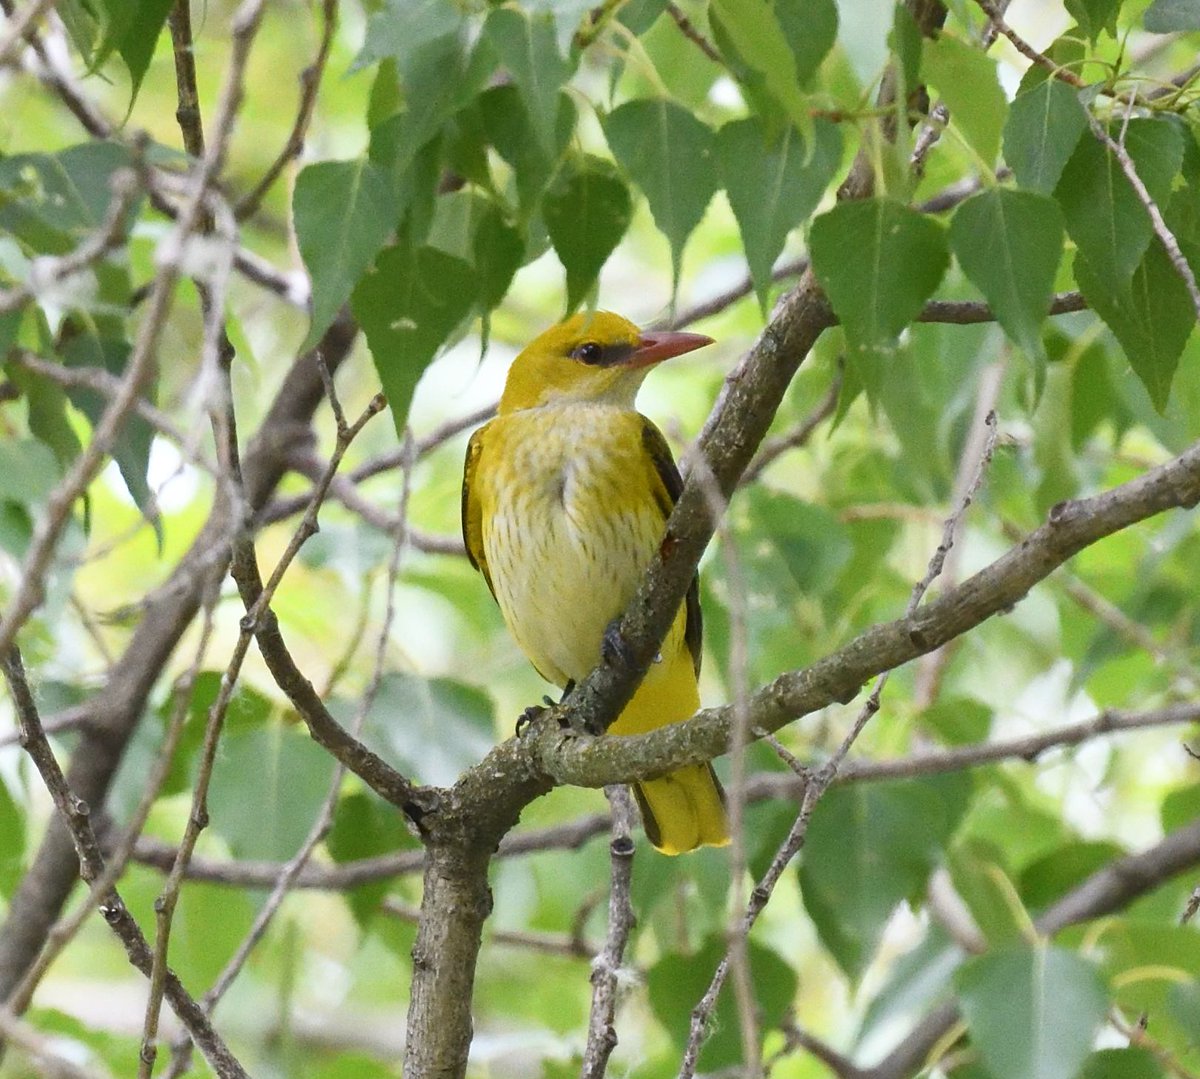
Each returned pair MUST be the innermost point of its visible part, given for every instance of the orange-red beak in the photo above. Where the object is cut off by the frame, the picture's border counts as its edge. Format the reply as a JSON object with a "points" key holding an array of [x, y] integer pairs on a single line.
{"points": [[656, 347]]}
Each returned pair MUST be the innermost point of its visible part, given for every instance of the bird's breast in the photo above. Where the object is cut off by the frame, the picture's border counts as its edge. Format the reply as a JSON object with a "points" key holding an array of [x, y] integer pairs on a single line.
{"points": [[569, 524]]}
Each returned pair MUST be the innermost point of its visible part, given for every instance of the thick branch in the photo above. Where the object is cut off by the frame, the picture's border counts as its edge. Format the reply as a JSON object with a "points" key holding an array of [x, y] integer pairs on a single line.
{"points": [[1071, 527]]}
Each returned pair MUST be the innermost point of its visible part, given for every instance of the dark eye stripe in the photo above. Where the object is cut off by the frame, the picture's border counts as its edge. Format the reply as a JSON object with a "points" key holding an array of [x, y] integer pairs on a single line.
{"points": [[598, 355]]}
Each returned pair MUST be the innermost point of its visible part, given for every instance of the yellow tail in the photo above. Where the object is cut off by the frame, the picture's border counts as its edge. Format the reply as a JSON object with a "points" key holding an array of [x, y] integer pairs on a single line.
{"points": [[682, 810]]}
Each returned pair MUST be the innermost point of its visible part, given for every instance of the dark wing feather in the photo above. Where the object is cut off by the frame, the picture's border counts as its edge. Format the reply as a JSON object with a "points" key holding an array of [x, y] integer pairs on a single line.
{"points": [[672, 486]]}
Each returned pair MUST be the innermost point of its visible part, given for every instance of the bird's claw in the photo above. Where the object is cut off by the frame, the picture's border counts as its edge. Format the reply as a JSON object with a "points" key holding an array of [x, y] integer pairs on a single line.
{"points": [[532, 713]]}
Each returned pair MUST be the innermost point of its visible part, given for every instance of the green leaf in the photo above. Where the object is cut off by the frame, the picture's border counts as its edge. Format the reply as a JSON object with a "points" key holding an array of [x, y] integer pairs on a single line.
{"points": [[869, 847], [132, 28], [1168, 16], [1069, 51], [671, 156], [527, 47], [586, 212], [509, 129], [1103, 214], [1151, 316], [438, 78], [878, 261], [1008, 244], [810, 28], [28, 470], [267, 788], [1094, 396], [813, 542], [1180, 807], [131, 450], [958, 721], [915, 982], [640, 15], [677, 982], [1051, 876], [498, 252], [773, 185], [248, 710], [1032, 1012], [979, 876], [402, 28], [1043, 127], [51, 202], [966, 78], [344, 212], [779, 43], [46, 402], [444, 726], [1131, 1063], [408, 305], [366, 827], [1094, 16], [12, 841]]}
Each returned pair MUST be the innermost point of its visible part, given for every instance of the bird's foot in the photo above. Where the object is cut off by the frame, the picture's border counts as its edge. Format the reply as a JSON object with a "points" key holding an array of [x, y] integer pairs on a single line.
{"points": [[532, 713], [536, 711], [613, 649]]}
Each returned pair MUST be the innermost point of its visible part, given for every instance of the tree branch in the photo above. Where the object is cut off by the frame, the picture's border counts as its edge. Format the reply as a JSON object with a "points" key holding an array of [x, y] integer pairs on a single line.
{"points": [[109, 717], [1071, 526], [75, 813]]}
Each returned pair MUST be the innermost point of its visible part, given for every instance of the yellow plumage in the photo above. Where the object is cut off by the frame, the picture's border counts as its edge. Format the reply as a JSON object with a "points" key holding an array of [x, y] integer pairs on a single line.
{"points": [[565, 496]]}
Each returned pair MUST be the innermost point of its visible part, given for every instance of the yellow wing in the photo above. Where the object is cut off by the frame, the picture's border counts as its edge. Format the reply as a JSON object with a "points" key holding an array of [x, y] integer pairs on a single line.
{"points": [[472, 512]]}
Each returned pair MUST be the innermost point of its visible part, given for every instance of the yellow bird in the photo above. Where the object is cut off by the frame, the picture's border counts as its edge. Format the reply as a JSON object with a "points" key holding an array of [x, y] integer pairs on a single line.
{"points": [[565, 495]]}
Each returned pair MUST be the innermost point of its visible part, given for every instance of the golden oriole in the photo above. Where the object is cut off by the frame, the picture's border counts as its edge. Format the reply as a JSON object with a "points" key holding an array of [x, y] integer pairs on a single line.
{"points": [[565, 494]]}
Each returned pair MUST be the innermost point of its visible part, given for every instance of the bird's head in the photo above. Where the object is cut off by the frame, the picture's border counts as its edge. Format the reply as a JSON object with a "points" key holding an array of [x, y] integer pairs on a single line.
{"points": [[594, 357]]}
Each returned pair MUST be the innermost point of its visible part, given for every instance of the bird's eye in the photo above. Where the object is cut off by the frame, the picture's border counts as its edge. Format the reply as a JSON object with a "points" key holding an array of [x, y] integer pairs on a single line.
{"points": [[589, 352]]}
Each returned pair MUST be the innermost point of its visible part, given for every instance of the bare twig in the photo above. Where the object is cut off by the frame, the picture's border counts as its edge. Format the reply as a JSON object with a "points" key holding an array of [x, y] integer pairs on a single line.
{"points": [[75, 814], [760, 787], [310, 83], [688, 29], [996, 15], [606, 966], [19, 27], [980, 441], [969, 312], [65, 930], [108, 385], [773, 448], [569, 945]]}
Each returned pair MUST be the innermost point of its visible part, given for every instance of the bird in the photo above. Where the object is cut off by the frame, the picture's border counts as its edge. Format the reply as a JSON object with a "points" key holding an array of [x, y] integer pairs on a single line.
{"points": [[565, 496]]}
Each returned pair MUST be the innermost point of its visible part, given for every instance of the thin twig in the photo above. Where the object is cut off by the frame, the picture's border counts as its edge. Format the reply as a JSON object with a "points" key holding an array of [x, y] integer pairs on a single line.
{"points": [[761, 787], [75, 815], [816, 783], [773, 448], [606, 966], [66, 928], [100, 381], [310, 83], [1022, 46], [689, 31], [19, 27]]}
